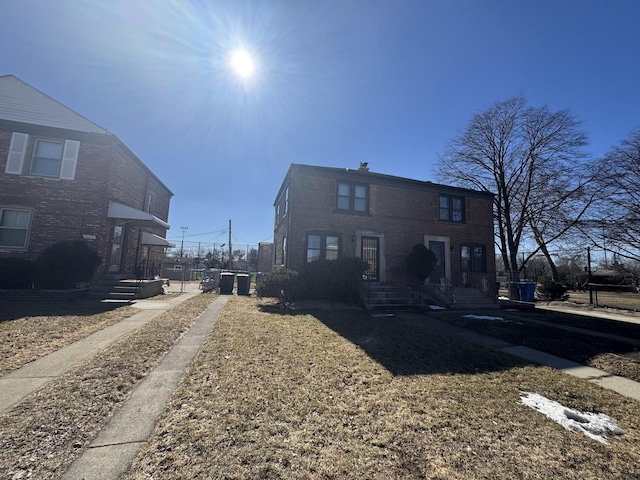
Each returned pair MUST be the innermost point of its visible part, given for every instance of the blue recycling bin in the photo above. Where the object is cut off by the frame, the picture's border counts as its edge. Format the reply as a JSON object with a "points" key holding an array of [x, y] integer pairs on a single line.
{"points": [[527, 291]]}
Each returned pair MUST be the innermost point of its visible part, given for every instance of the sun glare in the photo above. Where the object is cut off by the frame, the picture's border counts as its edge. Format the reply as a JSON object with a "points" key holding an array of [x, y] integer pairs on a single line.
{"points": [[242, 63]]}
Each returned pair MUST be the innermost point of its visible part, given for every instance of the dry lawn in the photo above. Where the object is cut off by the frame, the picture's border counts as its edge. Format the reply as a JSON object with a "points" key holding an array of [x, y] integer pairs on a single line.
{"points": [[43, 435], [31, 330], [612, 356], [338, 394]]}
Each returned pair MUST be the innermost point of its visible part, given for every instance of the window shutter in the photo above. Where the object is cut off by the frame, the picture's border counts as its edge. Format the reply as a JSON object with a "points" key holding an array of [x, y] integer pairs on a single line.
{"points": [[17, 151], [69, 159]]}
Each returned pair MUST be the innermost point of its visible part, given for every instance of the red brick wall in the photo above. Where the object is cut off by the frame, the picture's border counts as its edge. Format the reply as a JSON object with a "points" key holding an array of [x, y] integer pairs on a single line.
{"points": [[71, 209], [402, 213]]}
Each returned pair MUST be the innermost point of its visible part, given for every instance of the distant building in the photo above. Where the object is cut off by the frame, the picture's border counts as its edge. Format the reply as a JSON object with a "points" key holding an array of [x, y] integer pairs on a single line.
{"points": [[62, 177]]}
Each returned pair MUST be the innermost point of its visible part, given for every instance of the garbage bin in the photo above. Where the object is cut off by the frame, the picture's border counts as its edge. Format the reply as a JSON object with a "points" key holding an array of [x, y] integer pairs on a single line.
{"points": [[527, 291], [226, 283], [243, 283]]}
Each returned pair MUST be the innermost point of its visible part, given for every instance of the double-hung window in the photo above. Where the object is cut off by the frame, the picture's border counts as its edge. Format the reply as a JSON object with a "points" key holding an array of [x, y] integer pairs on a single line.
{"points": [[322, 247], [473, 258], [42, 157], [14, 228], [451, 208], [352, 197]]}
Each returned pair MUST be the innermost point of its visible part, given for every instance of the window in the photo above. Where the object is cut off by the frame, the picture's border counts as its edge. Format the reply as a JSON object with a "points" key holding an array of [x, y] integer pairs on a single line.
{"points": [[352, 197], [286, 201], [42, 157], [14, 228], [451, 208], [47, 158], [322, 247], [151, 203], [284, 250], [473, 258]]}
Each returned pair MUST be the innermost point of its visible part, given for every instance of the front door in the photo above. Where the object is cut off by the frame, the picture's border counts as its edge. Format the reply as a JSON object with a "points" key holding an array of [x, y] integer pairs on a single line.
{"points": [[370, 253], [438, 269], [115, 255]]}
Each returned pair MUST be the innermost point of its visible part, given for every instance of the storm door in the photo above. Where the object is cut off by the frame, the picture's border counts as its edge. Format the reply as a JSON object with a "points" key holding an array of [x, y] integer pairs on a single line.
{"points": [[115, 255], [438, 270], [370, 253]]}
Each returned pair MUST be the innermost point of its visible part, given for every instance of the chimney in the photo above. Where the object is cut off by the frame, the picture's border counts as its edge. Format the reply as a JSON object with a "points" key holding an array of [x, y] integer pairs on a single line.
{"points": [[364, 167]]}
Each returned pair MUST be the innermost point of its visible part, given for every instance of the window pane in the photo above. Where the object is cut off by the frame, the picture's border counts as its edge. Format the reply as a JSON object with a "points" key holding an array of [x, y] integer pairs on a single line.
{"points": [[360, 205], [313, 255], [15, 218], [313, 241], [45, 166], [46, 158], [48, 149], [360, 191], [457, 207], [331, 252], [14, 226], [344, 189], [465, 258], [444, 208], [343, 203], [478, 259]]}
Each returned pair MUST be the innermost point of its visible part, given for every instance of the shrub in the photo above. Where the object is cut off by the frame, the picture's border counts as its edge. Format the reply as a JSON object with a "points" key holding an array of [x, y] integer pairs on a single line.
{"points": [[420, 262], [15, 273], [550, 290], [281, 284], [64, 264], [333, 279]]}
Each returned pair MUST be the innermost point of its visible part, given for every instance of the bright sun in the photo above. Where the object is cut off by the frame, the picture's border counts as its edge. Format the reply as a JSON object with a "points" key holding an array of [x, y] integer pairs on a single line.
{"points": [[242, 63]]}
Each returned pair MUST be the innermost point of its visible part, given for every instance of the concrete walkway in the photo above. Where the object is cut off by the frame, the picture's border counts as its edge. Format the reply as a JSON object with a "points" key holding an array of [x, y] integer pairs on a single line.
{"points": [[17, 385], [110, 454], [621, 385]]}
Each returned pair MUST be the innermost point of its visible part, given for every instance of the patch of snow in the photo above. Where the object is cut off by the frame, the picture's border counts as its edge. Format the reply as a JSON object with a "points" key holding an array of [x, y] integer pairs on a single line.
{"points": [[503, 298], [436, 307], [484, 317], [597, 426]]}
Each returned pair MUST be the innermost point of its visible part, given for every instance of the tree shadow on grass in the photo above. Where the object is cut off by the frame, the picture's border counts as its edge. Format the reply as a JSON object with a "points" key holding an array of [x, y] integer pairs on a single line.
{"points": [[12, 310], [409, 344]]}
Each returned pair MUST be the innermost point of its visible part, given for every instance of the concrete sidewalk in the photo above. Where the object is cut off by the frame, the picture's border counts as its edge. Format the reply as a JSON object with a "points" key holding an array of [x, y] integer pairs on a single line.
{"points": [[110, 454], [621, 385], [17, 385]]}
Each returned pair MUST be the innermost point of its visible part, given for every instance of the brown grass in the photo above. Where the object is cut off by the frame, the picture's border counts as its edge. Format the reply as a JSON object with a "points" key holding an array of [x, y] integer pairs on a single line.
{"points": [[43, 435], [612, 356], [29, 331], [337, 394]]}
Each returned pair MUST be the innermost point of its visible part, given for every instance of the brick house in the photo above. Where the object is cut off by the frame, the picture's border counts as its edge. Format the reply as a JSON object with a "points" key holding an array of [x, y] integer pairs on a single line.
{"points": [[324, 213], [62, 177]]}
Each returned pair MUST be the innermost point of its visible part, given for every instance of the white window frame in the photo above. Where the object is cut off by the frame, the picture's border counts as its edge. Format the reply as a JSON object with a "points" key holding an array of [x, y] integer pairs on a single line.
{"points": [[27, 230]]}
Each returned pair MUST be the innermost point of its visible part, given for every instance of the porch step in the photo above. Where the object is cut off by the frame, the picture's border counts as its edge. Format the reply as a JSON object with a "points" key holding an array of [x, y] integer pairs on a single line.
{"points": [[388, 296], [472, 299], [115, 287]]}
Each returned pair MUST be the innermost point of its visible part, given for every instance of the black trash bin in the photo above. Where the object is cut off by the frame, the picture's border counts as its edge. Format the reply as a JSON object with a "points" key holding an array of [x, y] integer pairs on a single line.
{"points": [[226, 283], [244, 280]]}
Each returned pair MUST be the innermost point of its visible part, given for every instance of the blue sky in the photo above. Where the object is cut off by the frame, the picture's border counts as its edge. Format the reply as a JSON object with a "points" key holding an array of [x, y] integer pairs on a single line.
{"points": [[337, 83]]}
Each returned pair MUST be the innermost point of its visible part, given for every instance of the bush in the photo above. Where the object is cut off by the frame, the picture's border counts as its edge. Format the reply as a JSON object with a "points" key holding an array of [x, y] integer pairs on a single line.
{"points": [[420, 262], [324, 279], [549, 290], [64, 264], [333, 279], [15, 273], [281, 284]]}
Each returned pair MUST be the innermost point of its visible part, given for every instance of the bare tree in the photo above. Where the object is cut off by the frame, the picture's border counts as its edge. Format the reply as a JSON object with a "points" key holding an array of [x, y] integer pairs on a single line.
{"points": [[515, 151], [617, 226]]}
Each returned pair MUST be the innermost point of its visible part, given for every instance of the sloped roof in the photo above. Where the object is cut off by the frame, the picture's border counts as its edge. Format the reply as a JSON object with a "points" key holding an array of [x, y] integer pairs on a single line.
{"points": [[20, 102]]}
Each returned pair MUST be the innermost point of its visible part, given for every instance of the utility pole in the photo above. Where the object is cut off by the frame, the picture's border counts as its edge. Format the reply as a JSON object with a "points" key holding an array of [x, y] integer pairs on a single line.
{"points": [[184, 229], [230, 262], [589, 275]]}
